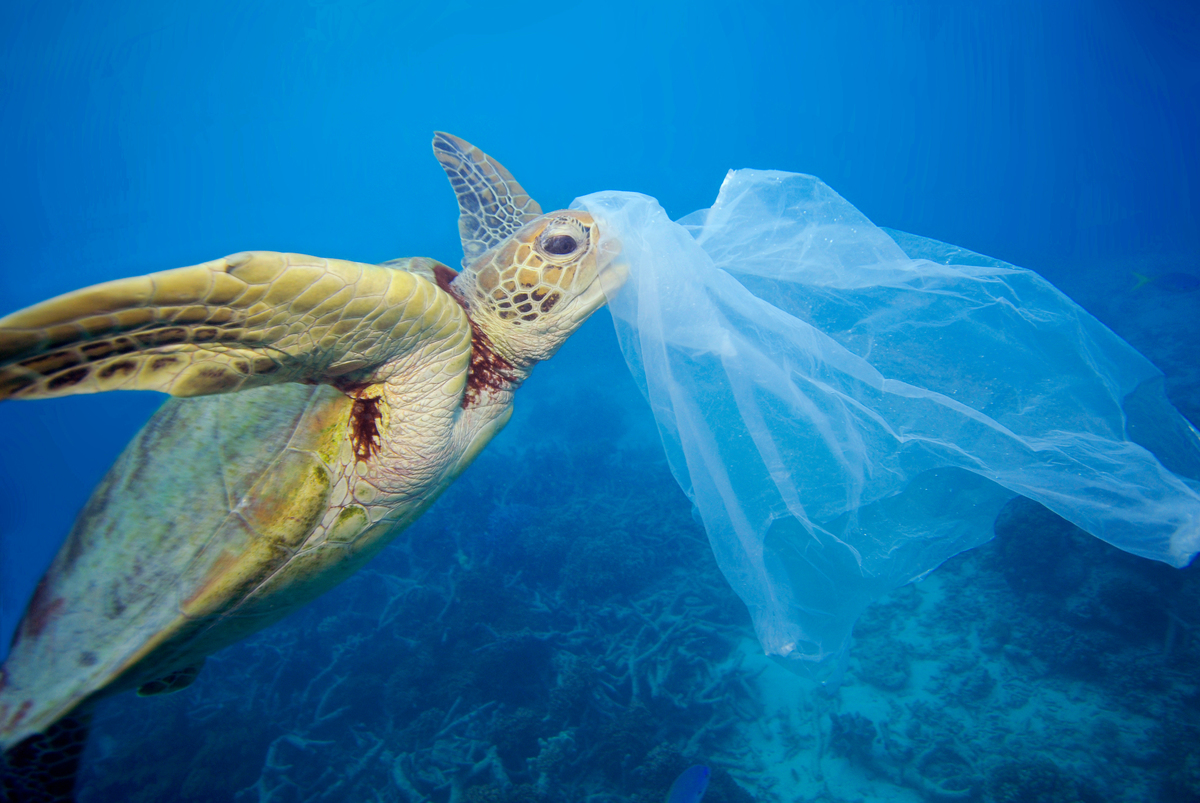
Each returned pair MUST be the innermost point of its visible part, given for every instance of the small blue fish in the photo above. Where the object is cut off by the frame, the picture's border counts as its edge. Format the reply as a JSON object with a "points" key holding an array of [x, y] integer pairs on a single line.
{"points": [[690, 785], [1175, 282]]}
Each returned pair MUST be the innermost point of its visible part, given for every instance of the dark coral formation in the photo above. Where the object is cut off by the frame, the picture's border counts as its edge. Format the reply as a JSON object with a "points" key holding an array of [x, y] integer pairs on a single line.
{"points": [[556, 630]]}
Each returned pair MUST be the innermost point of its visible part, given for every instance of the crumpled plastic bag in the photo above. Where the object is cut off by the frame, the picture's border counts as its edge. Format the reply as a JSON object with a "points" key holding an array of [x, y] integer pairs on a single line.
{"points": [[848, 407]]}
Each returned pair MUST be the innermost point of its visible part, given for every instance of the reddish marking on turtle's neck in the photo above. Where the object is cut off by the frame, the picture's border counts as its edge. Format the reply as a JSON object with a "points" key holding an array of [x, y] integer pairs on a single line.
{"points": [[444, 274], [488, 369], [364, 420], [364, 423]]}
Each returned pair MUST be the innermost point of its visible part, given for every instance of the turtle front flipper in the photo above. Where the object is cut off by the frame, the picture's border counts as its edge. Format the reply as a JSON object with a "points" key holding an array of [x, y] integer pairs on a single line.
{"points": [[251, 319], [491, 204]]}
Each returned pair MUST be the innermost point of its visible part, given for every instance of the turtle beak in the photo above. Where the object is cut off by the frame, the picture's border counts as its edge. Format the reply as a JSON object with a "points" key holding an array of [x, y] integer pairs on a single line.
{"points": [[613, 272], [610, 276]]}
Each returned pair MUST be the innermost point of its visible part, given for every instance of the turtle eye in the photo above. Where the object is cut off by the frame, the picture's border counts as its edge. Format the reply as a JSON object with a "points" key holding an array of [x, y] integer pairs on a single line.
{"points": [[560, 244], [563, 240]]}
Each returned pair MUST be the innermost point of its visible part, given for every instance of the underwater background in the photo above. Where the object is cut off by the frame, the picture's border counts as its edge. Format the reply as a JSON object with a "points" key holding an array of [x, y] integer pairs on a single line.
{"points": [[555, 628]]}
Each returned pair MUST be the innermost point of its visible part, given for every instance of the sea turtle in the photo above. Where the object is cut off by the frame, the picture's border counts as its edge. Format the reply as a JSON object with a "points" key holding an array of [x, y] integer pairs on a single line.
{"points": [[331, 402]]}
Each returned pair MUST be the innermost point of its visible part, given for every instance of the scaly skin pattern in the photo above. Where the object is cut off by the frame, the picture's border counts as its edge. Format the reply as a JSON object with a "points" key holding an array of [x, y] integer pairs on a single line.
{"points": [[247, 320], [247, 505]]}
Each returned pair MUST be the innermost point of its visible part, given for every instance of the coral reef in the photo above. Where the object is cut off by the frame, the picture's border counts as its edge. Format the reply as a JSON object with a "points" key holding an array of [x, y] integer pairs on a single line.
{"points": [[505, 653], [555, 629], [1033, 781]]}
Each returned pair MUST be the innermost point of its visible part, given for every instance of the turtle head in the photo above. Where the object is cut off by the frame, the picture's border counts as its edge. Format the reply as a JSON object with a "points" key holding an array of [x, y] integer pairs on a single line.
{"points": [[534, 289], [529, 280]]}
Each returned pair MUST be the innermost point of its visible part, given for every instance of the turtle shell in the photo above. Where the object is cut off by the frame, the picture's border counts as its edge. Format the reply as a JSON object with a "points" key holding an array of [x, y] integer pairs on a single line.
{"points": [[200, 533]]}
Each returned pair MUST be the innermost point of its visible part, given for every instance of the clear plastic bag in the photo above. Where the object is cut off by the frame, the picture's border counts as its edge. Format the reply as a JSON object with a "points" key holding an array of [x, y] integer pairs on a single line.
{"points": [[848, 407]]}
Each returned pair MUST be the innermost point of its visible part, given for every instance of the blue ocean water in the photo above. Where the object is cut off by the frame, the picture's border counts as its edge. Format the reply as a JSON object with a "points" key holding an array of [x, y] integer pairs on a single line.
{"points": [[555, 626]]}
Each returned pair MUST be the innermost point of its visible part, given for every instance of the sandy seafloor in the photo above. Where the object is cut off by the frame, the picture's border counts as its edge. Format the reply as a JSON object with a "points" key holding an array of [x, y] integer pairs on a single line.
{"points": [[556, 629]]}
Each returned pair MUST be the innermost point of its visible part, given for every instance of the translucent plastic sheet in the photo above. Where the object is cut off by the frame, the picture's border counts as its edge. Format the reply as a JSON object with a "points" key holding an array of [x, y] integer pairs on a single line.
{"points": [[848, 407]]}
